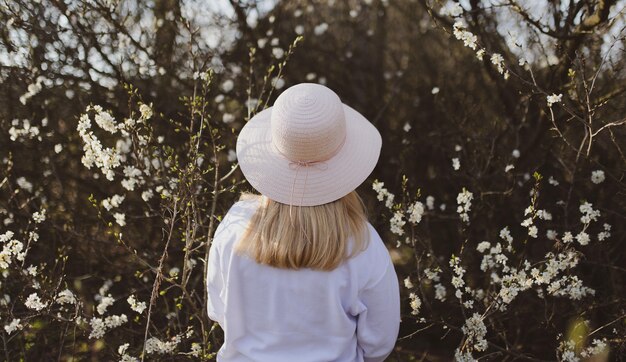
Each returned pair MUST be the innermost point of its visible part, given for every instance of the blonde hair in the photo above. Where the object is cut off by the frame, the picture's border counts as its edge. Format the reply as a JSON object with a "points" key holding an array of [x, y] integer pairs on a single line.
{"points": [[315, 237]]}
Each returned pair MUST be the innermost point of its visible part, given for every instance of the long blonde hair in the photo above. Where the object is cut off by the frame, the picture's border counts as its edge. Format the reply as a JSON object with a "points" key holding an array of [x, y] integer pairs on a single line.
{"points": [[315, 237]]}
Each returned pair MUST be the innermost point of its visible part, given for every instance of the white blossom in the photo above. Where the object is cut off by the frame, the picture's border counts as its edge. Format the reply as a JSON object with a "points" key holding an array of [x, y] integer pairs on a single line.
{"points": [[415, 211], [100, 326], [154, 345], [589, 214], [397, 223], [468, 38], [196, 349], [554, 98], [551, 234], [320, 29], [567, 237], [105, 121], [146, 111], [120, 218], [430, 202], [147, 195], [498, 61], [597, 347], [34, 302], [451, 9], [113, 201], [456, 164], [464, 201], [39, 217], [597, 176], [440, 292], [65, 297], [416, 303], [13, 326], [278, 53], [105, 303], [135, 305], [24, 184], [583, 238], [228, 85], [475, 332]]}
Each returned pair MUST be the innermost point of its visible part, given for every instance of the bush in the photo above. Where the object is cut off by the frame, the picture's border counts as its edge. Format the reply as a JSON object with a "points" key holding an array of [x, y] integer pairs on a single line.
{"points": [[499, 190]]}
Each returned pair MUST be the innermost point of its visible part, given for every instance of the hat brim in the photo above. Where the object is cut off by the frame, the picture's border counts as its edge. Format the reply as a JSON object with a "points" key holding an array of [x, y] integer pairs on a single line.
{"points": [[272, 175]]}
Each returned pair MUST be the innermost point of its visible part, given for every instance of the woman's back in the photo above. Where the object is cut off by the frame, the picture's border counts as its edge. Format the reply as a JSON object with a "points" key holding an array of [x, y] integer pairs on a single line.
{"points": [[273, 314]]}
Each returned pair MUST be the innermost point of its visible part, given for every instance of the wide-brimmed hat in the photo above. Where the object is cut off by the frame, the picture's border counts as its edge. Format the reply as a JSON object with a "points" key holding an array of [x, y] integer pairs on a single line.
{"points": [[309, 148]]}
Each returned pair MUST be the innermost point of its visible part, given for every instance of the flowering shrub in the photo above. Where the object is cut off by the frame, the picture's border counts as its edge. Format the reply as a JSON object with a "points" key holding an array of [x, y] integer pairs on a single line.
{"points": [[117, 133]]}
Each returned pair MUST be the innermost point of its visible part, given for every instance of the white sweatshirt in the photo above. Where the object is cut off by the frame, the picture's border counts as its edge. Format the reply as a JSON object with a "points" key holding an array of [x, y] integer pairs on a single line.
{"points": [[350, 314]]}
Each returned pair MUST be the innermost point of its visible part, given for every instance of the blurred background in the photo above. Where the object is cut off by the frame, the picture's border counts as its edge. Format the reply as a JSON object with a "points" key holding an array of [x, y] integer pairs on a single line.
{"points": [[118, 121]]}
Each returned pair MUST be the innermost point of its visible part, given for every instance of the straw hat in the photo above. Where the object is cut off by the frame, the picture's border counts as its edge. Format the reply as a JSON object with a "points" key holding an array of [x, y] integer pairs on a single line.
{"points": [[309, 148]]}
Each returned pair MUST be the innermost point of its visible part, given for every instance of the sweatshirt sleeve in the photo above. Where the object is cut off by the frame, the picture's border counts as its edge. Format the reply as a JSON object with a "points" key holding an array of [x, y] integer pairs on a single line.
{"points": [[378, 324], [215, 277], [215, 284]]}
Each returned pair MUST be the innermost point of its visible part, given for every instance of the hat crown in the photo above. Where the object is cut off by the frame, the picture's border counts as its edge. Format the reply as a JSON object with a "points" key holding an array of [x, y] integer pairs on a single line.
{"points": [[308, 123]]}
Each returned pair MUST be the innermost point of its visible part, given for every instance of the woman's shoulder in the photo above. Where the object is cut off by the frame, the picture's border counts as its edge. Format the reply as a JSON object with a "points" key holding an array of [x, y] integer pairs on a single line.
{"points": [[374, 259], [236, 218]]}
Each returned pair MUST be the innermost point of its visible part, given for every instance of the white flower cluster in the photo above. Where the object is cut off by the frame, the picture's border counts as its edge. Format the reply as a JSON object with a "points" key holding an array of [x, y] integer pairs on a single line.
{"points": [[107, 159], [34, 302], [155, 345], [528, 222], [196, 350], [145, 111], [464, 201], [415, 211], [598, 346], [24, 184], [32, 90], [120, 218], [397, 223], [554, 98], [588, 213], [66, 297], [568, 350], [416, 303], [100, 326], [124, 357], [383, 193], [470, 40], [13, 326], [566, 285], [135, 305], [105, 302], [14, 248], [569, 286], [498, 61], [113, 201], [460, 32], [25, 131], [466, 356], [457, 279], [475, 332], [602, 235], [451, 9], [133, 178], [39, 216]]}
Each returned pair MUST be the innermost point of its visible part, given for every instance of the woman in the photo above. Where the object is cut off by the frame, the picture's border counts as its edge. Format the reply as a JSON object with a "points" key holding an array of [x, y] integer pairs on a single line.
{"points": [[297, 273]]}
